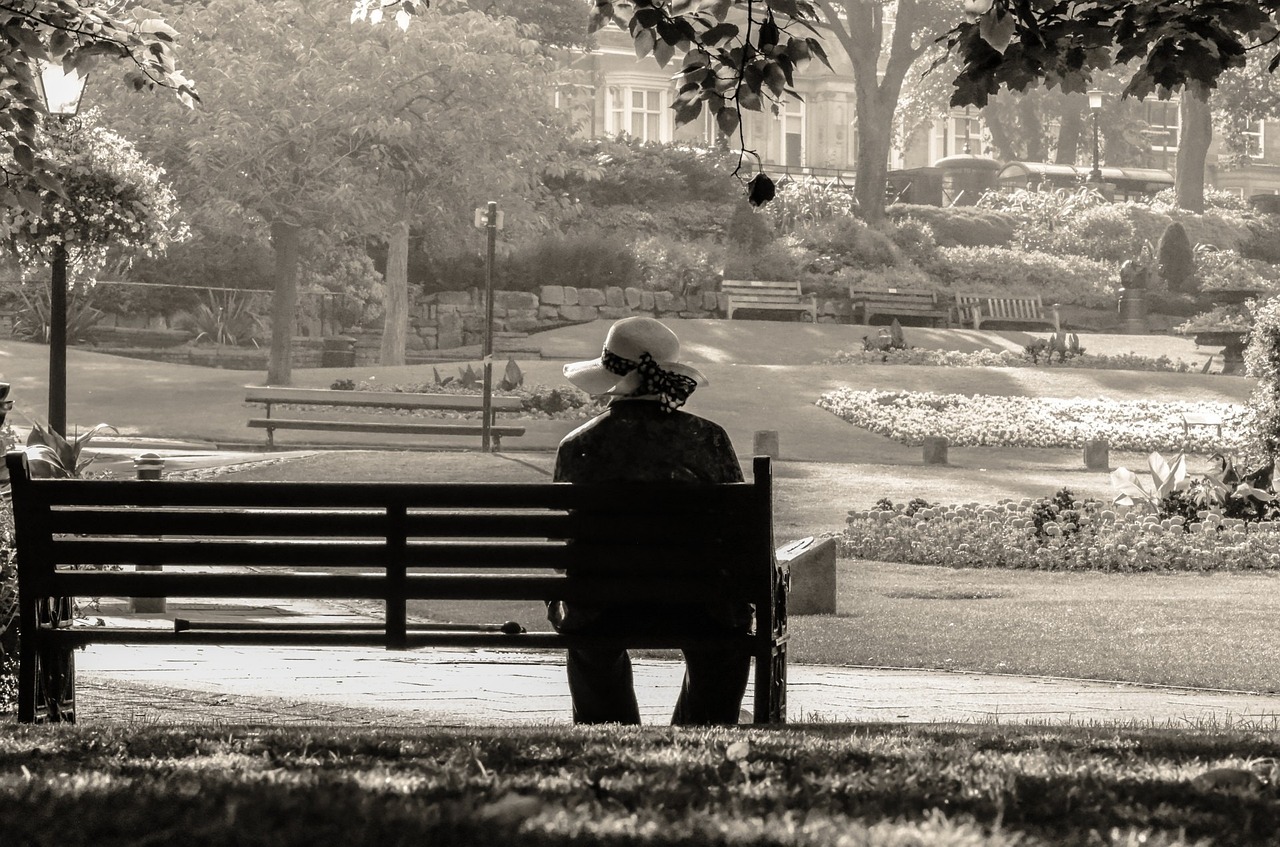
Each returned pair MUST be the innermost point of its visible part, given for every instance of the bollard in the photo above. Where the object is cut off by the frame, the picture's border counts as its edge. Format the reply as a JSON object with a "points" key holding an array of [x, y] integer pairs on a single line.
{"points": [[148, 466], [1096, 454], [935, 450], [765, 443]]}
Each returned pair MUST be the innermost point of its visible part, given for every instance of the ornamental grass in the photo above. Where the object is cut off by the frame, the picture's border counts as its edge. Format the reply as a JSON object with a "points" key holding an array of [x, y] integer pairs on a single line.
{"points": [[1043, 535]]}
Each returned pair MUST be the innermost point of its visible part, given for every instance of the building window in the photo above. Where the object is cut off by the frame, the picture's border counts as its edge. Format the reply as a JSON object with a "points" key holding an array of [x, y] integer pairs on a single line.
{"points": [[639, 112], [791, 117], [956, 134], [1253, 139]]}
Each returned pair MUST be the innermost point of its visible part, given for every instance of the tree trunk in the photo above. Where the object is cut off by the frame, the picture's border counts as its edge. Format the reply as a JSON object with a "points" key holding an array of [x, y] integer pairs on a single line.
{"points": [[1001, 139], [1029, 119], [875, 139], [395, 325], [1193, 146], [286, 239], [1070, 128]]}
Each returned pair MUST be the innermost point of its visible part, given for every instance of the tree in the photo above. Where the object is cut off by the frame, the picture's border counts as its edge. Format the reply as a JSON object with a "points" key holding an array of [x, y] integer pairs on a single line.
{"points": [[1244, 96], [76, 35], [882, 41], [276, 145], [1173, 46]]}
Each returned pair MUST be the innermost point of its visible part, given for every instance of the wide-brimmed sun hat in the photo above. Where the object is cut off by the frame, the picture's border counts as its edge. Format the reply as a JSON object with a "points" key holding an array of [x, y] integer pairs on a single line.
{"points": [[639, 353]]}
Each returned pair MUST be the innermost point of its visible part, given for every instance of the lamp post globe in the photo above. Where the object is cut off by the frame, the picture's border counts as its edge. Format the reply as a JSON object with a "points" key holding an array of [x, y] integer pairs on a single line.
{"points": [[61, 90]]}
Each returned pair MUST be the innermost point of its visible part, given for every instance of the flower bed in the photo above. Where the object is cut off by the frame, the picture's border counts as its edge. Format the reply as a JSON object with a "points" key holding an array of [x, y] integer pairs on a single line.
{"points": [[986, 421], [1040, 534], [544, 402], [986, 358]]}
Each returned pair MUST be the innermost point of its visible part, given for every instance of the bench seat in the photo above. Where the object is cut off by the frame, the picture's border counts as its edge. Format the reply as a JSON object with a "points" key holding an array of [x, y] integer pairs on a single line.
{"points": [[393, 543], [771, 296]]}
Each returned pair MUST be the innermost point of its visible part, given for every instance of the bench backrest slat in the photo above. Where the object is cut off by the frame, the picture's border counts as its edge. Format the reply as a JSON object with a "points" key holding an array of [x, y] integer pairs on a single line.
{"points": [[377, 399]]}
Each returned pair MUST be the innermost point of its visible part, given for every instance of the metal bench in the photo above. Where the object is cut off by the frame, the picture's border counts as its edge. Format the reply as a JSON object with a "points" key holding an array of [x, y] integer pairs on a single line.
{"points": [[374, 400], [977, 309], [772, 296], [392, 542], [897, 303]]}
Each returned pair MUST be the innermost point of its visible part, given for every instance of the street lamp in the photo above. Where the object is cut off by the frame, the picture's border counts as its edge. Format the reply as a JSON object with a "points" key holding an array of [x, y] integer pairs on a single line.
{"points": [[1095, 106], [61, 91]]}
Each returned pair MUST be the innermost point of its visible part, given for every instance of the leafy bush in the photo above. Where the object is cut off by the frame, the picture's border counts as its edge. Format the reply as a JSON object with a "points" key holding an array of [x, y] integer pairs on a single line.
{"points": [[959, 225], [1175, 260], [1072, 280], [1262, 362], [803, 201], [582, 260], [913, 238], [839, 243], [227, 317], [1263, 242], [678, 266], [1105, 233], [34, 308], [781, 259]]}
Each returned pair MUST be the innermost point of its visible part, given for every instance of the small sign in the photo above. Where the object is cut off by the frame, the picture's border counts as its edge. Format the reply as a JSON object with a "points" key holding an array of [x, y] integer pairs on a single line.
{"points": [[482, 218]]}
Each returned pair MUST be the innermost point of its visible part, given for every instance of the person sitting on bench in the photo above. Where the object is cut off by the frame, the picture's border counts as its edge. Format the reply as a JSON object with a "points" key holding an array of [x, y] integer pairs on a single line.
{"points": [[644, 437]]}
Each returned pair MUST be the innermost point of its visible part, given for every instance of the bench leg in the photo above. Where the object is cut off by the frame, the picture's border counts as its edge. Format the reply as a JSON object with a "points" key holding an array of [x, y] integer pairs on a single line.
{"points": [[46, 675], [771, 687]]}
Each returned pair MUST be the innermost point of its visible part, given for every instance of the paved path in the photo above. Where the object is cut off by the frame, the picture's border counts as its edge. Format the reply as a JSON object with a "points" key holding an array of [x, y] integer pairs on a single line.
{"points": [[458, 687]]}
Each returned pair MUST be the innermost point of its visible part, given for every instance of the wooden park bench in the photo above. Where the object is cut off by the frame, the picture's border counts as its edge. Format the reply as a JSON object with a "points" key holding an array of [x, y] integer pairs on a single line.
{"points": [[1208, 420], [773, 296], [976, 309], [897, 303], [392, 542], [373, 400]]}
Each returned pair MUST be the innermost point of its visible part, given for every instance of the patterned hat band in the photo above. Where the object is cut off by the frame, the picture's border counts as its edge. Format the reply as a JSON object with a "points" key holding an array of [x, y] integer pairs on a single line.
{"points": [[671, 389]]}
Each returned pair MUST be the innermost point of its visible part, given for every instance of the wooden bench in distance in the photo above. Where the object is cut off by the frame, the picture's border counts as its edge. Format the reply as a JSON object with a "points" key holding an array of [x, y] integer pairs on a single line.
{"points": [[897, 303], [391, 542], [773, 296], [975, 309], [271, 396], [1198, 419]]}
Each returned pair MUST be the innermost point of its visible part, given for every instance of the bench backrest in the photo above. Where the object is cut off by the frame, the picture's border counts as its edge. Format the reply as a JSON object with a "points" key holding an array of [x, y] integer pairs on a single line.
{"points": [[396, 541], [996, 307], [376, 399], [761, 291]]}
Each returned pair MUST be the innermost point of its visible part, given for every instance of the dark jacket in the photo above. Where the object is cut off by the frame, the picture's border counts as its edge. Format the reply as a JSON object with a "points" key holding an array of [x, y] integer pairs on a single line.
{"points": [[636, 441]]}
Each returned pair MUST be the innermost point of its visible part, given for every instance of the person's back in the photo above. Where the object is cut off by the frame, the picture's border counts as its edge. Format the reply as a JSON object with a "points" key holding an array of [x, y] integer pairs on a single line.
{"points": [[643, 437]]}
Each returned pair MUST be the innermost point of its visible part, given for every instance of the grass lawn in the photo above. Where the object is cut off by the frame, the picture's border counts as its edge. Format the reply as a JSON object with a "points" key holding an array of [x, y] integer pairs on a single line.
{"points": [[856, 785]]}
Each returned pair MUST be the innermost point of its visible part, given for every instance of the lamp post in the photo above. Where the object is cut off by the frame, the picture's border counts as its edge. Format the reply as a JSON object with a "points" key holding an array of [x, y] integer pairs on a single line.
{"points": [[1095, 106], [61, 91]]}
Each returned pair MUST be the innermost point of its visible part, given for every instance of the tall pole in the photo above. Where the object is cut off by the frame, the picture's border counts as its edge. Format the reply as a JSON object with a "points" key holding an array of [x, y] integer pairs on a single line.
{"points": [[1095, 175], [58, 341], [491, 229]]}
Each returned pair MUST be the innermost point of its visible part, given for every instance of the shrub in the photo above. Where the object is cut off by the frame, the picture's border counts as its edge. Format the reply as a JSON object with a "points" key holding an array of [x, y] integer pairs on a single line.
{"points": [[1262, 362], [913, 238], [845, 242], [1072, 280], [1175, 260], [585, 260], [777, 260], [959, 225], [803, 201], [749, 228], [663, 265], [1263, 241], [1105, 233]]}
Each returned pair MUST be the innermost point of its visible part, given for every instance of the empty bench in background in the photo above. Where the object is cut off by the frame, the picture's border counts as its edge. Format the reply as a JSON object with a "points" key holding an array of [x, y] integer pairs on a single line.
{"points": [[771, 296], [392, 542], [977, 309], [373, 400], [897, 303]]}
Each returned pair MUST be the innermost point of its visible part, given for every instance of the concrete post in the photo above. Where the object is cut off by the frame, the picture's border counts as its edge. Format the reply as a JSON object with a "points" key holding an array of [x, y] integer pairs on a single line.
{"points": [[935, 450], [765, 443], [1096, 454]]}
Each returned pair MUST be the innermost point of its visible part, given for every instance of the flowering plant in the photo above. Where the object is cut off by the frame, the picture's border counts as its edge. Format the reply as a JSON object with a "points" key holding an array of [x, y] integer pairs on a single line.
{"points": [[987, 421], [114, 204]]}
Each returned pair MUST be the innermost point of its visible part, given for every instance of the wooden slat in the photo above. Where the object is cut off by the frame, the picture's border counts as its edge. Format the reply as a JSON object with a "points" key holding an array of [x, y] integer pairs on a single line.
{"points": [[639, 498], [378, 399], [383, 427]]}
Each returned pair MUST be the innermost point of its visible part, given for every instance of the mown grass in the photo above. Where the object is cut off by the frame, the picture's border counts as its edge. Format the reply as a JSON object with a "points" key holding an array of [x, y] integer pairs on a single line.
{"points": [[872, 785]]}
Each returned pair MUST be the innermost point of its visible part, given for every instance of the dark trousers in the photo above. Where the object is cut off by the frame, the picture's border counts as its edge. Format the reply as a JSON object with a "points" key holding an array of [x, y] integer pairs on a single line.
{"points": [[602, 689]]}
